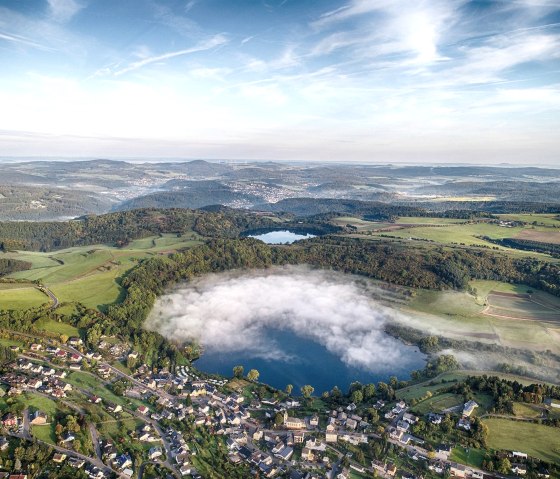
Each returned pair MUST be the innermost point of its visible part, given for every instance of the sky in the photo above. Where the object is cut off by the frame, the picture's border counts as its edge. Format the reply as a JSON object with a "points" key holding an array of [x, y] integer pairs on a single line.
{"points": [[328, 80]]}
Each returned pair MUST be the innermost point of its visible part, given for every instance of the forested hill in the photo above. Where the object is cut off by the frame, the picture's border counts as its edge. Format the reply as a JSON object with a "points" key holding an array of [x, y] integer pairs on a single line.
{"points": [[378, 211], [122, 227]]}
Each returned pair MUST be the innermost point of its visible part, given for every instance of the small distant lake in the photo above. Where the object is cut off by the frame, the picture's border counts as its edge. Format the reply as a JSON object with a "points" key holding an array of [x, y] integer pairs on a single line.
{"points": [[309, 363], [281, 237]]}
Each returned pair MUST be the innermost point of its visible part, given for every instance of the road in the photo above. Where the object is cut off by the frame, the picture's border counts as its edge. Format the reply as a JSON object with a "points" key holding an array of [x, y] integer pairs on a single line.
{"points": [[51, 295], [25, 432], [95, 441]]}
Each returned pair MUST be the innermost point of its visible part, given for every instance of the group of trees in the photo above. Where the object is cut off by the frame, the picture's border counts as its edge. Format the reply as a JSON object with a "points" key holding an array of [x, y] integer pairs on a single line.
{"points": [[8, 266], [504, 392], [26, 456]]}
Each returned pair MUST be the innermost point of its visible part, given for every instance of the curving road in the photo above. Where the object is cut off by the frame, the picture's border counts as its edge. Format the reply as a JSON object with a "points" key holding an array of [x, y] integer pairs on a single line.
{"points": [[51, 295]]}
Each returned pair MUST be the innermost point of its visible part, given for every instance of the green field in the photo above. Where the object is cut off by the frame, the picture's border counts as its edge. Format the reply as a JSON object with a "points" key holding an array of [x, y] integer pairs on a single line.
{"points": [[59, 328], [359, 224], [21, 298], [465, 234], [526, 410], [473, 457], [89, 274], [438, 403], [463, 316], [41, 403], [542, 442], [417, 220], [44, 433], [95, 386]]}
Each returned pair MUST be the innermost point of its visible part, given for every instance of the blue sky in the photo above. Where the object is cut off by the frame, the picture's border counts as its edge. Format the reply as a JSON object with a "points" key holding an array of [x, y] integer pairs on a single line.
{"points": [[351, 80]]}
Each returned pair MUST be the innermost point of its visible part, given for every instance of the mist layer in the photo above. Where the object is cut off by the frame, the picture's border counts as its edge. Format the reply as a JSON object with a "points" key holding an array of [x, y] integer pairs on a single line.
{"points": [[231, 313]]}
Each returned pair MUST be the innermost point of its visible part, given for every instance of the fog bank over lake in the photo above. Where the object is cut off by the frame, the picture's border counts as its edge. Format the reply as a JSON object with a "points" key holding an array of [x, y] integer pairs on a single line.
{"points": [[236, 313]]}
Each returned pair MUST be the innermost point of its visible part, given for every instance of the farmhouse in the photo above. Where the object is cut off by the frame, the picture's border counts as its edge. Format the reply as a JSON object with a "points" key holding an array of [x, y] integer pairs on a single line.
{"points": [[519, 469], [469, 408]]}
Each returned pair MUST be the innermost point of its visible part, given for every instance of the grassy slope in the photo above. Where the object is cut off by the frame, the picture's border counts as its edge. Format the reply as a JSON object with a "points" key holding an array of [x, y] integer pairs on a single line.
{"points": [[536, 440], [21, 298], [87, 274]]}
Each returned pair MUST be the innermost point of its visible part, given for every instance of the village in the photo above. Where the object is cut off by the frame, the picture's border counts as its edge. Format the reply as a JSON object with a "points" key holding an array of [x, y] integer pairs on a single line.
{"points": [[271, 436]]}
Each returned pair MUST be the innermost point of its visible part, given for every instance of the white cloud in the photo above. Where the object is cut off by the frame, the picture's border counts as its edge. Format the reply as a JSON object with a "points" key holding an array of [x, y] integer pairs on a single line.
{"points": [[63, 10], [229, 313]]}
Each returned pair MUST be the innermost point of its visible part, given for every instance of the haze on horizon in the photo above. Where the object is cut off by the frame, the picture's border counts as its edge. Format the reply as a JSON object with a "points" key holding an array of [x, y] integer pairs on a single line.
{"points": [[355, 80]]}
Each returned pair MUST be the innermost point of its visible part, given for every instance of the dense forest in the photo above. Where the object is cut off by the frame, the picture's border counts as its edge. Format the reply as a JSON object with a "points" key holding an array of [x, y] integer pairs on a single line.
{"points": [[552, 249], [122, 227]]}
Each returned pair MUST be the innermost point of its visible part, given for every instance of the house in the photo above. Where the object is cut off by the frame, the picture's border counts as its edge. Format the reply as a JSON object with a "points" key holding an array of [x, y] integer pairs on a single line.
{"points": [[68, 437], [285, 453], [443, 449], [293, 422], [59, 458], [38, 418], [95, 399], [9, 420], [75, 358], [403, 426], [299, 437], [4, 443], [555, 403], [307, 454], [518, 454], [74, 341], [143, 410], [154, 453], [34, 383], [123, 461], [36, 347], [331, 437], [457, 470], [410, 418], [464, 423], [351, 424], [114, 408], [76, 462], [519, 469], [469, 408], [435, 418], [314, 421], [61, 354]]}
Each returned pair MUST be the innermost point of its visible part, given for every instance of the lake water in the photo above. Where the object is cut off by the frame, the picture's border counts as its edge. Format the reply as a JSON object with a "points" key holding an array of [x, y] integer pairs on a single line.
{"points": [[281, 237], [310, 363]]}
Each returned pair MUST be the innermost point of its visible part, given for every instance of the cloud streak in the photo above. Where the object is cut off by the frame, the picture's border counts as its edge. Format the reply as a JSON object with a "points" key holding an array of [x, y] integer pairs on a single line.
{"points": [[229, 313], [215, 41]]}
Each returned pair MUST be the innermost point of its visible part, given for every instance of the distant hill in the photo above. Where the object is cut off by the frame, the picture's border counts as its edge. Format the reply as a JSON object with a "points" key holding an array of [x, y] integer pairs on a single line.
{"points": [[189, 194], [317, 206]]}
